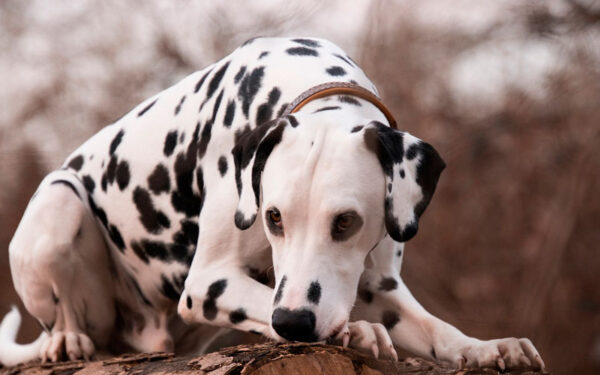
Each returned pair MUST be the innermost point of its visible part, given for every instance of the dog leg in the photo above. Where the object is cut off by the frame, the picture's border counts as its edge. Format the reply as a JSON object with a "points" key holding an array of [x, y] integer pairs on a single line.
{"points": [[60, 269], [384, 298]]}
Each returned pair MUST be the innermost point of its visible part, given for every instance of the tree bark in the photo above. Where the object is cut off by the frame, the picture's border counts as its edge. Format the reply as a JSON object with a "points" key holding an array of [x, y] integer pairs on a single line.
{"points": [[258, 359]]}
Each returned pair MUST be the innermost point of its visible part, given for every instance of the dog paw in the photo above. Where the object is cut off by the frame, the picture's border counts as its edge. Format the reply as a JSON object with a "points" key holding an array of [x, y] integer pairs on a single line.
{"points": [[502, 353], [71, 345], [370, 337]]}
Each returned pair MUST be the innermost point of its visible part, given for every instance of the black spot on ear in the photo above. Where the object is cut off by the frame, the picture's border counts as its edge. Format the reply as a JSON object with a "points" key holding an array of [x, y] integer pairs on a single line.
{"points": [[389, 319], [262, 154], [229, 113], [201, 81], [67, 184], [399, 253], [237, 316], [116, 142], [314, 293], [123, 175], [179, 105], [365, 295], [153, 220], [293, 121], [147, 108], [222, 165], [168, 290], [344, 59], [116, 237], [336, 71], [263, 54], [279, 292], [249, 87], [159, 180], [402, 174], [188, 302], [302, 51], [356, 129], [89, 183], [239, 74], [350, 100], [216, 80], [329, 108], [76, 163], [307, 42], [387, 284]]}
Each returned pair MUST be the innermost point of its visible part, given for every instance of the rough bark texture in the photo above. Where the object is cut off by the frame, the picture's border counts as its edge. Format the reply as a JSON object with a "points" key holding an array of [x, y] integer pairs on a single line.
{"points": [[259, 359]]}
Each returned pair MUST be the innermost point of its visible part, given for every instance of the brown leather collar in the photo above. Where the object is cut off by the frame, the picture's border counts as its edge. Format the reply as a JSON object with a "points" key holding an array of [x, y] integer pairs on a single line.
{"points": [[339, 88]]}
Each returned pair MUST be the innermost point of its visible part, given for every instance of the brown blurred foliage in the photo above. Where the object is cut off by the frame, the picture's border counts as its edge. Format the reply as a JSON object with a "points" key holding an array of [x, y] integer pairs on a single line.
{"points": [[508, 246]]}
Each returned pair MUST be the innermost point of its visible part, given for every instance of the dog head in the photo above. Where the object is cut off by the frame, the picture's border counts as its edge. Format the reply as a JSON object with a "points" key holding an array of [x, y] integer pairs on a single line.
{"points": [[327, 190]]}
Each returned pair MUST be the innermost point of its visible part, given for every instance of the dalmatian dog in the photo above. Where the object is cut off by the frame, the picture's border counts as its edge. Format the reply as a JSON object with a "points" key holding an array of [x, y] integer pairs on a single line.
{"points": [[171, 213]]}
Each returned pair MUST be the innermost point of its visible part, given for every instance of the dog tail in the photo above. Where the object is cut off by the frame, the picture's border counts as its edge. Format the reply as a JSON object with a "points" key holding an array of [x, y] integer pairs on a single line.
{"points": [[11, 353]]}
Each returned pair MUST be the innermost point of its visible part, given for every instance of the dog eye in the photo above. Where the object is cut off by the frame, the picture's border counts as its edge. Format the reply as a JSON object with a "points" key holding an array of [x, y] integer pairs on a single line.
{"points": [[274, 221], [345, 225], [344, 222]]}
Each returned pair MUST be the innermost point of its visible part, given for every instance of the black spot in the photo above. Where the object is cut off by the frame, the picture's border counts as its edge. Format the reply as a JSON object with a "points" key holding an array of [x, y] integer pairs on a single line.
{"points": [[154, 221], [98, 212], [139, 292], [433, 355], [159, 180], [184, 199], [249, 86], [181, 137], [201, 81], [265, 110], [387, 284], [279, 293], [116, 237], [402, 174], [229, 113], [155, 249], [216, 106], [222, 165], [141, 113], [356, 129], [188, 302], [216, 80], [89, 183], [239, 74], [293, 121], [349, 100], [411, 152], [344, 59], [390, 186], [111, 169], [365, 295], [263, 54], [282, 109], [237, 316], [241, 134], [302, 51], [76, 163], [336, 71], [68, 184], [139, 251], [170, 142], [178, 107], [116, 142], [168, 290], [389, 319], [104, 181], [314, 293], [215, 290], [123, 175], [329, 108], [188, 234], [399, 253], [307, 42], [204, 139]]}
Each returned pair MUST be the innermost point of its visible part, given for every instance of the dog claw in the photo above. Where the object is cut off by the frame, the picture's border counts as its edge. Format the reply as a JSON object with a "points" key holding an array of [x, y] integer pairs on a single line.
{"points": [[346, 339], [500, 363], [375, 350]]}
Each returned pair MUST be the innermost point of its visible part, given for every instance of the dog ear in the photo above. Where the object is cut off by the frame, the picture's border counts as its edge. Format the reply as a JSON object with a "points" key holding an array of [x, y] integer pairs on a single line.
{"points": [[412, 169], [250, 155]]}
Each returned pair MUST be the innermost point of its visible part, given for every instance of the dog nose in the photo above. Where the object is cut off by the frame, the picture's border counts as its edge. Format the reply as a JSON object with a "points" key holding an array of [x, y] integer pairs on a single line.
{"points": [[294, 325]]}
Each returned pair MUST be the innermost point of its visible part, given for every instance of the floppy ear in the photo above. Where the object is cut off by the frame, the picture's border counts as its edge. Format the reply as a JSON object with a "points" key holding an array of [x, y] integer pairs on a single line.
{"points": [[412, 169], [250, 155]]}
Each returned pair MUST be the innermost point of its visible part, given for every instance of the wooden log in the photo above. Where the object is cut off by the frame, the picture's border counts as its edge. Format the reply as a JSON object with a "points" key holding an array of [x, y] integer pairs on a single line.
{"points": [[259, 359]]}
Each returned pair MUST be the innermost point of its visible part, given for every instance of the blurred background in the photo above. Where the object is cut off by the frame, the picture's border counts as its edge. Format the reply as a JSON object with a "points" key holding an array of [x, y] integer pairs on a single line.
{"points": [[507, 91]]}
